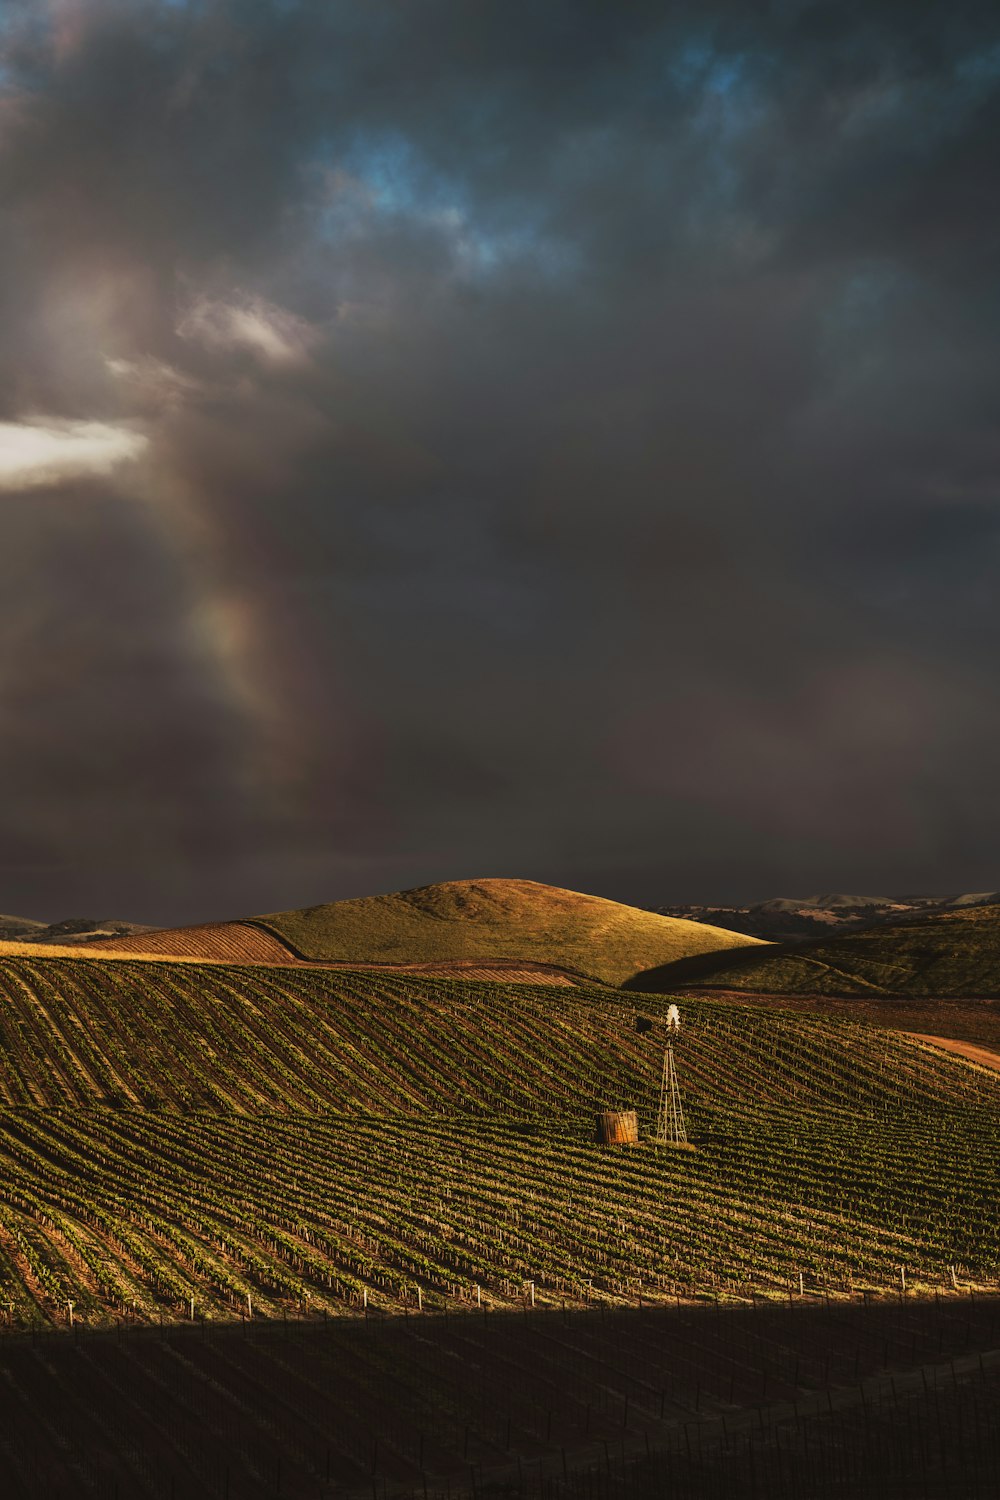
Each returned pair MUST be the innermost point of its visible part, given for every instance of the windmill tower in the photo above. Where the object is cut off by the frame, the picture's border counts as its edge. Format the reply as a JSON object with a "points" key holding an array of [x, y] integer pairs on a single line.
{"points": [[670, 1127]]}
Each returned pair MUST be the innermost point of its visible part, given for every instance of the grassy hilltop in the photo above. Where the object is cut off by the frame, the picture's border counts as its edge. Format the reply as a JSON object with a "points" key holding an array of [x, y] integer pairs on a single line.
{"points": [[463, 919], [952, 953]]}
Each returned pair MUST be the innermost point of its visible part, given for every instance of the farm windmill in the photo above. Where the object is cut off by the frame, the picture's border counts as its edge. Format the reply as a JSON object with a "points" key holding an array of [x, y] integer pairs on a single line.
{"points": [[670, 1127]]}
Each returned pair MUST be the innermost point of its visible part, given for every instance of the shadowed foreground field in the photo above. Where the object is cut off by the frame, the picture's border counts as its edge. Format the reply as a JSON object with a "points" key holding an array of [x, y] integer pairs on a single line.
{"points": [[888, 1398]]}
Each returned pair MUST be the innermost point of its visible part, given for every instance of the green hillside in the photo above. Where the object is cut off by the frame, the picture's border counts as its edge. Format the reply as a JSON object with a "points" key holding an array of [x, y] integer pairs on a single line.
{"points": [[463, 919], [307, 1138], [953, 953]]}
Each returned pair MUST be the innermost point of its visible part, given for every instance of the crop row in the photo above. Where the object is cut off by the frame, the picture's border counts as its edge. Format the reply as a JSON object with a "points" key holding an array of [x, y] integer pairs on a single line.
{"points": [[251, 1040], [133, 1214]]}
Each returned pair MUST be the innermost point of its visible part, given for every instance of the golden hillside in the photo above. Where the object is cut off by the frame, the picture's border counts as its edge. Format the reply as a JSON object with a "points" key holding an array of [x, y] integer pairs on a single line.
{"points": [[499, 919]]}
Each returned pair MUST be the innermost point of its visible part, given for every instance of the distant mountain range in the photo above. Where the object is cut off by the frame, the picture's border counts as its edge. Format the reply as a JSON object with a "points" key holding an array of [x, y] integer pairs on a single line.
{"points": [[67, 933], [789, 919]]}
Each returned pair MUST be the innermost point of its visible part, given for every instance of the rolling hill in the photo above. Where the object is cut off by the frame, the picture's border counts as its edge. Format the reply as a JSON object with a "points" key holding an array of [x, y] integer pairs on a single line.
{"points": [[953, 953], [493, 919]]}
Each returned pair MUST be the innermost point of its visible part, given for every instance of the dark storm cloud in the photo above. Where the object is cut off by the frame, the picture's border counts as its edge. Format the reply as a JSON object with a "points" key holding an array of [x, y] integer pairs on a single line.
{"points": [[450, 440]]}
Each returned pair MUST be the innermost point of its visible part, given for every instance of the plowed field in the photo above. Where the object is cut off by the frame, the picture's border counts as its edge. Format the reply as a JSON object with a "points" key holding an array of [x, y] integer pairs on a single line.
{"points": [[973, 1021], [231, 942]]}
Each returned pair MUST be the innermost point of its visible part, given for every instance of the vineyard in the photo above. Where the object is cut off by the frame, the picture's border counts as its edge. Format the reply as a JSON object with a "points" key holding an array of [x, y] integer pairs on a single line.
{"points": [[212, 1176], [244, 1040], [309, 1141], [973, 1021], [134, 1216]]}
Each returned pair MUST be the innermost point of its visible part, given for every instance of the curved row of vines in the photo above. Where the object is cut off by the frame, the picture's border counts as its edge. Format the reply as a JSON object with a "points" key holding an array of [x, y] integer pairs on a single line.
{"points": [[135, 1215], [137, 1035], [217, 1141]]}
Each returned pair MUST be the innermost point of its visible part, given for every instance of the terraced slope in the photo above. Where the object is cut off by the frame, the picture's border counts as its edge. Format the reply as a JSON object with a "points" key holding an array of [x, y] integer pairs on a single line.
{"points": [[953, 953], [306, 1138], [491, 919]]}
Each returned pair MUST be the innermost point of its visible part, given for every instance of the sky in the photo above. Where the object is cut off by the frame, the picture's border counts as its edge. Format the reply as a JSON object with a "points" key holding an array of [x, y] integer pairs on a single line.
{"points": [[446, 440]]}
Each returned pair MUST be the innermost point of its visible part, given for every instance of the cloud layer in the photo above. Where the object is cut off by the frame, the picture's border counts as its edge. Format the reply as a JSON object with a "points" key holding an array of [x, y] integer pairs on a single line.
{"points": [[553, 441], [45, 452]]}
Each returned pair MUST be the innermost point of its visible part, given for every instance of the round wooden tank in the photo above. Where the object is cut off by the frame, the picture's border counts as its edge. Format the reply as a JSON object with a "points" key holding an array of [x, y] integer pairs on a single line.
{"points": [[617, 1127]]}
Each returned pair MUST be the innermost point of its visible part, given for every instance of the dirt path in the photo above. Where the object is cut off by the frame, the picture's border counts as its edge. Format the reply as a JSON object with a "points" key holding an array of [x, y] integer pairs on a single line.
{"points": [[981, 1055]]}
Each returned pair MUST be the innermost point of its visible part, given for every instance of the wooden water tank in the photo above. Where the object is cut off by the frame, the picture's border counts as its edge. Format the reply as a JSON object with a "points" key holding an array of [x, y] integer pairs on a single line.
{"points": [[617, 1127]]}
